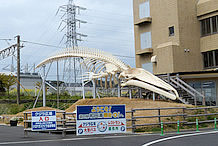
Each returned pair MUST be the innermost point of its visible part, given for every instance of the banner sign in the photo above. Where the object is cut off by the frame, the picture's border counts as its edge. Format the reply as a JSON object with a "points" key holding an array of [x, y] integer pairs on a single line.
{"points": [[43, 120], [101, 119]]}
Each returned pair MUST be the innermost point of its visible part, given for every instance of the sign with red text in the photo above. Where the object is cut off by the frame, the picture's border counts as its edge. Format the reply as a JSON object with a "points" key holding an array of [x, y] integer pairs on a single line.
{"points": [[43, 120], [101, 119]]}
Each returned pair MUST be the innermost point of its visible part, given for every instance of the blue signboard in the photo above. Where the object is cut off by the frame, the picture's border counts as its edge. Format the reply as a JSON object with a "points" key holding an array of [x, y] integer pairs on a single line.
{"points": [[101, 112], [44, 120], [101, 119]]}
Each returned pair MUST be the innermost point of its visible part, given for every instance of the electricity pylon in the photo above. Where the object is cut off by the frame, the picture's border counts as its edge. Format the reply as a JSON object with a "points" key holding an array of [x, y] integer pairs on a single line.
{"points": [[70, 25]]}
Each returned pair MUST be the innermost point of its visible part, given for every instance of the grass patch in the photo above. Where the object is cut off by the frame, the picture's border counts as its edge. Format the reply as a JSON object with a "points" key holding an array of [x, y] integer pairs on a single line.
{"points": [[148, 129]]}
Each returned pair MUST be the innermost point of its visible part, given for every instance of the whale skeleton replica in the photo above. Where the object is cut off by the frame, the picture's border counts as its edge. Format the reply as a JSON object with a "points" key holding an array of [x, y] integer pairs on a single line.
{"points": [[101, 64]]}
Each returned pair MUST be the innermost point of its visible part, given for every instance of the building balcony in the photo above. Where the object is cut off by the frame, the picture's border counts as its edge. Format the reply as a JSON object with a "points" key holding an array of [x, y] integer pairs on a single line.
{"points": [[209, 43], [206, 7], [144, 51], [144, 20]]}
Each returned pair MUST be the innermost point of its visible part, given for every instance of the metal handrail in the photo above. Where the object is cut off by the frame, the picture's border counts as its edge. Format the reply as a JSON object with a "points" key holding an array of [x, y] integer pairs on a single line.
{"points": [[191, 88], [182, 87]]}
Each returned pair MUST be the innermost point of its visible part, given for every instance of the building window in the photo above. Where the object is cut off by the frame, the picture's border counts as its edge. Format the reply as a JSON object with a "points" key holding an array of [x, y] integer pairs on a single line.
{"points": [[203, 28], [214, 24], [144, 9], [210, 59], [205, 56], [207, 88], [216, 57], [148, 67], [145, 39], [209, 26], [171, 31]]}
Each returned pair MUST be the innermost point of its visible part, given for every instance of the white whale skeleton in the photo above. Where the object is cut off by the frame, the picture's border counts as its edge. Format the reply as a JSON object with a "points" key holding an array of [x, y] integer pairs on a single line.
{"points": [[100, 64]]}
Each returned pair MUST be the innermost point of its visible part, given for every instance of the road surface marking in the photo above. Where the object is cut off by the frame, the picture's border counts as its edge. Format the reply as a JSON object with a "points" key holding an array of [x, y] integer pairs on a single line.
{"points": [[70, 139], [178, 136]]}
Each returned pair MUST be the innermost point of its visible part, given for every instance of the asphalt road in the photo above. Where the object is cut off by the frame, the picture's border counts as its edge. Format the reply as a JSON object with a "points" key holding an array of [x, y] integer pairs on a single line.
{"points": [[15, 136]]}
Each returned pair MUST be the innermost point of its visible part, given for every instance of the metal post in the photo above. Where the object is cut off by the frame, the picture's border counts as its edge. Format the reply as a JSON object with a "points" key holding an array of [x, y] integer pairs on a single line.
{"points": [[140, 92], [204, 101], [25, 125], [153, 96], [195, 99], [133, 121], [34, 68], [162, 129], [18, 69], [57, 85], [83, 85], [94, 89], [118, 88], [35, 91], [43, 86], [215, 124], [84, 96], [130, 93], [178, 126], [168, 78], [183, 112], [159, 120], [197, 128], [64, 125]]}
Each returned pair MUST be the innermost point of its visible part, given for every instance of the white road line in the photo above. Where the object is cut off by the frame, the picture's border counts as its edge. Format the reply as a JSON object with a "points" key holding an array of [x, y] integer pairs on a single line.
{"points": [[178, 136], [70, 139]]}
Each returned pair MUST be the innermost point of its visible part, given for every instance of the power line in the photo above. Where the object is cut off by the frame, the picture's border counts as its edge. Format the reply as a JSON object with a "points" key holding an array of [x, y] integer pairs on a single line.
{"points": [[41, 44], [125, 56], [109, 25], [110, 38], [109, 12], [109, 19], [129, 32], [6, 39], [49, 45]]}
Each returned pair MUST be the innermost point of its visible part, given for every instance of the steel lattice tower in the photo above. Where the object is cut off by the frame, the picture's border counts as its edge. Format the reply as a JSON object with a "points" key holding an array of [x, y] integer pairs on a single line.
{"points": [[72, 67]]}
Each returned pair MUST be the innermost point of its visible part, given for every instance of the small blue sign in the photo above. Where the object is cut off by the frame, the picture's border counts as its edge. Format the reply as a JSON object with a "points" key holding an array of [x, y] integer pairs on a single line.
{"points": [[44, 120]]}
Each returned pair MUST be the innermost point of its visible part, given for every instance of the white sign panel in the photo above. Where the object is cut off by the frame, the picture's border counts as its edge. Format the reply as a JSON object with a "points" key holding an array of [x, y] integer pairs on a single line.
{"points": [[43, 120], [100, 119]]}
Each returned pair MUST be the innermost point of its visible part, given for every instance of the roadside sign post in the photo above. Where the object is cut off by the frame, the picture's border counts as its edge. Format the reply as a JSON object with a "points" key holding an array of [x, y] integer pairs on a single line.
{"points": [[215, 124], [162, 132], [100, 119], [178, 126], [197, 125], [43, 120]]}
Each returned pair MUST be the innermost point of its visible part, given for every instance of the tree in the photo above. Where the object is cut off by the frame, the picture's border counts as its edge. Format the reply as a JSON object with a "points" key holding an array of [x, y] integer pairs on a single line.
{"points": [[7, 81], [2, 88]]}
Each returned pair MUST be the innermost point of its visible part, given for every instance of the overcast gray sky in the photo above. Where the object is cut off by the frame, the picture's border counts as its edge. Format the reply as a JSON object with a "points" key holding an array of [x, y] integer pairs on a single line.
{"points": [[109, 27]]}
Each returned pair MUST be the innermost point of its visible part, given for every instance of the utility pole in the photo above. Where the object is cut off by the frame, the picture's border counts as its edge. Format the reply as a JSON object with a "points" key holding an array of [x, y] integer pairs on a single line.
{"points": [[18, 69]]}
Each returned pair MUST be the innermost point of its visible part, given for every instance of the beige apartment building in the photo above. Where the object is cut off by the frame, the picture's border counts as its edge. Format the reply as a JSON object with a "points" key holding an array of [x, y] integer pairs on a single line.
{"points": [[179, 37]]}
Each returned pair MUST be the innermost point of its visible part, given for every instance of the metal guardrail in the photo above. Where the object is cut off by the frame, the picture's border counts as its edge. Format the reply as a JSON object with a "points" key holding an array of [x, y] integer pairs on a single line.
{"points": [[184, 113], [66, 121]]}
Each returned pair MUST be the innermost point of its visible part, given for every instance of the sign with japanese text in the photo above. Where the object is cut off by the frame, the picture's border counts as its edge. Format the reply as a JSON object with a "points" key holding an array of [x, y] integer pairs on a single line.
{"points": [[101, 119], [43, 120]]}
